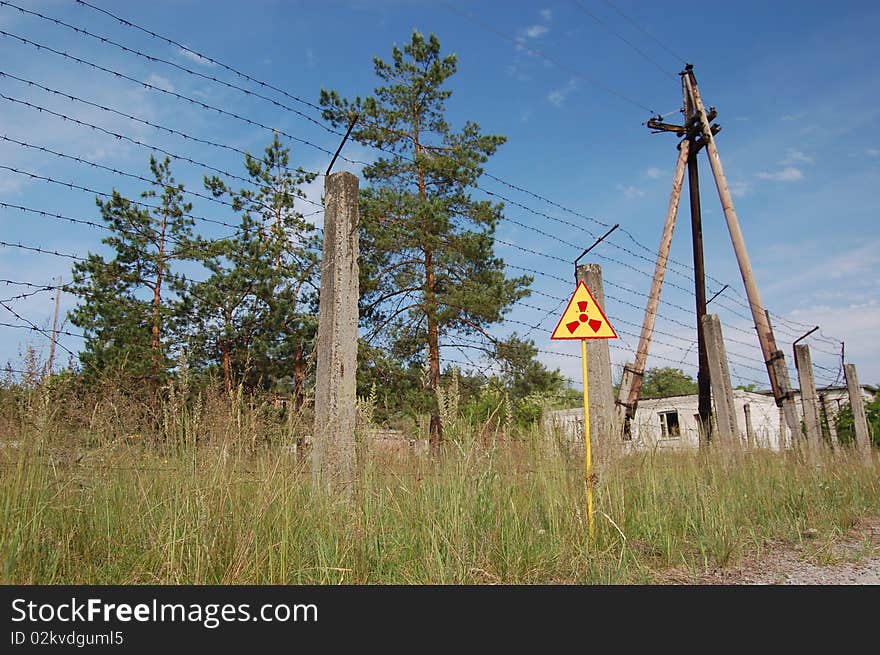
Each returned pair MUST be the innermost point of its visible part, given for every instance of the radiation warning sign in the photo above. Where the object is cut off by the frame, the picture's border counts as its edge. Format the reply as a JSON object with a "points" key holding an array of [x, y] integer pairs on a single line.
{"points": [[583, 318]]}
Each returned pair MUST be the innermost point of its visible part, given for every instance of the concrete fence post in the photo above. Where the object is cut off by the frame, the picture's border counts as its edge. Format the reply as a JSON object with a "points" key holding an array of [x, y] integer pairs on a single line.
{"points": [[809, 398], [333, 443], [829, 421], [719, 374], [602, 406], [784, 438], [623, 393], [860, 420], [750, 430]]}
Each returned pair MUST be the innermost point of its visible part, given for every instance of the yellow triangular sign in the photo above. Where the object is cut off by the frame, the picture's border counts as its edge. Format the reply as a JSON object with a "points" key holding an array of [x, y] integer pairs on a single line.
{"points": [[583, 318]]}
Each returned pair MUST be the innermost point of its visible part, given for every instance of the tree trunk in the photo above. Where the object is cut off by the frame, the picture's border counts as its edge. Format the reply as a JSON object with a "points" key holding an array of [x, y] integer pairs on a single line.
{"points": [[436, 429], [227, 368], [298, 376], [435, 432], [157, 294]]}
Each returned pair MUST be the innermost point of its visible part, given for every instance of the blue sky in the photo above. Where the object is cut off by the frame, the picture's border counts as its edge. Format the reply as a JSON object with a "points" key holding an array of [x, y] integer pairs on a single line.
{"points": [[795, 85]]}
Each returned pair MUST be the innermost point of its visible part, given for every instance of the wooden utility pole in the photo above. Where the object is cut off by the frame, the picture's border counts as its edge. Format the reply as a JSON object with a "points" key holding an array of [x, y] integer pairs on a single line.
{"points": [[773, 357], [54, 329], [333, 443], [631, 382], [704, 405], [690, 147]]}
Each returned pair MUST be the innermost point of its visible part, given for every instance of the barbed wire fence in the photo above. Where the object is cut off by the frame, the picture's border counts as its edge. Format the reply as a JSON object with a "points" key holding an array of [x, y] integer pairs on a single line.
{"points": [[537, 235]]}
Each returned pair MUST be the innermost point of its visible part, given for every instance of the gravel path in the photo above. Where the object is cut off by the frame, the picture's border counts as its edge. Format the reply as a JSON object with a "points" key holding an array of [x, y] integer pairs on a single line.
{"points": [[853, 559]]}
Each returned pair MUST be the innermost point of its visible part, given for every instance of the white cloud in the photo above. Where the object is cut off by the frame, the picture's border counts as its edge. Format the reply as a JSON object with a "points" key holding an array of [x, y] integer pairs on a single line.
{"points": [[872, 152], [160, 82], [557, 97], [547, 14], [856, 324], [196, 58], [654, 173], [10, 185], [793, 117], [788, 174], [796, 157], [740, 189], [536, 31], [630, 191]]}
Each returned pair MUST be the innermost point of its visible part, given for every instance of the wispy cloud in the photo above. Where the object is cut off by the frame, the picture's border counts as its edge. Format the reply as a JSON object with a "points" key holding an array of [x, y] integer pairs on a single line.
{"points": [[630, 191], [872, 152], [547, 15], [196, 58], [796, 157], [311, 58], [536, 31], [160, 81], [10, 186], [740, 188], [787, 174], [654, 173], [557, 97]]}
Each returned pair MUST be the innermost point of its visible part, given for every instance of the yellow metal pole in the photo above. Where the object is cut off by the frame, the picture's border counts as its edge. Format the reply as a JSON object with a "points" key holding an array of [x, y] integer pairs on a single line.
{"points": [[589, 449]]}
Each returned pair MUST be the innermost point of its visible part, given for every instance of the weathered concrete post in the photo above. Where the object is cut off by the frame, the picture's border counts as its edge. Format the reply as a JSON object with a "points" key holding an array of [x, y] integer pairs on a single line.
{"points": [[750, 430], [627, 379], [333, 442], [602, 406], [860, 421], [809, 399], [829, 422], [784, 440], [719, 374]]}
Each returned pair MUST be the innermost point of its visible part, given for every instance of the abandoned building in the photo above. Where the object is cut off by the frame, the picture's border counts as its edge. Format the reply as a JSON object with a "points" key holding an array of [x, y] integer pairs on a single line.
{"points": [[673, 422]]}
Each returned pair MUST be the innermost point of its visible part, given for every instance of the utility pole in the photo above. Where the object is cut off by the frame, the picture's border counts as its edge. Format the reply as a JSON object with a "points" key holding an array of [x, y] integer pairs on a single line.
{"points": [[699, 130], [690, 147], [773, 357], [631, 383], [704, 406]]}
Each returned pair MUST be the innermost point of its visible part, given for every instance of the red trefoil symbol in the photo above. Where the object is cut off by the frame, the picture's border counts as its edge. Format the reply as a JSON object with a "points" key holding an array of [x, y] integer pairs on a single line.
{"points": [[594, 323]]}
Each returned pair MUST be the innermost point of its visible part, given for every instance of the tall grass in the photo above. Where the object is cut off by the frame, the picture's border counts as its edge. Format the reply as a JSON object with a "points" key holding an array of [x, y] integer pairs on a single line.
{"points": [[213, 496]]}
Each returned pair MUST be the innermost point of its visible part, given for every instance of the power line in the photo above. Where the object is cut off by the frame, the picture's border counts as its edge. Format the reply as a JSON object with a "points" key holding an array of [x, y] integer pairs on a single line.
{"points": [[520, 43], [632, 45], [677, 57]]}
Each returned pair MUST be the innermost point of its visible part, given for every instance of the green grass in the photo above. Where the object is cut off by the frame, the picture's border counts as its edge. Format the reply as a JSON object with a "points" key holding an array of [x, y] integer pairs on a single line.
{"points": [[90, 505]]}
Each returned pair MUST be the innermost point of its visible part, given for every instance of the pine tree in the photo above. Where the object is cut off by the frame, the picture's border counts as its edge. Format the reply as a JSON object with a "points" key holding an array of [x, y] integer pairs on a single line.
{"points": [[428, 262], [130, 303], [254, 315]]}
